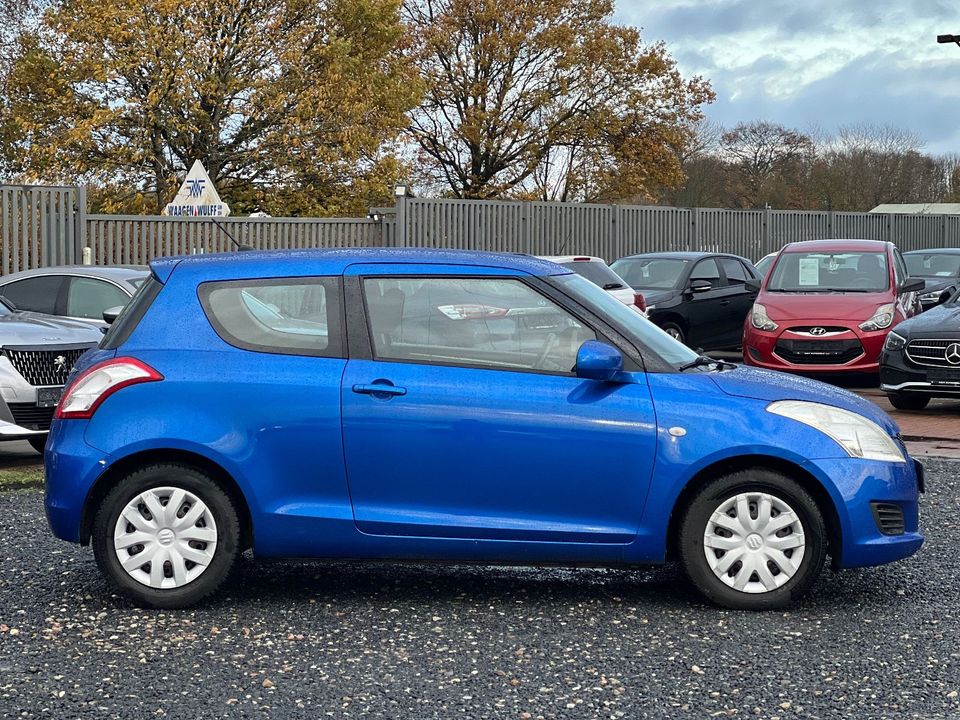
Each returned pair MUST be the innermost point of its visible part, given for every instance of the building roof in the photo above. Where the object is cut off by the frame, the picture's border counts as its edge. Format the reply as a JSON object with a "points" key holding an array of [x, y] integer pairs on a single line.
{"points": [[919, 208]]}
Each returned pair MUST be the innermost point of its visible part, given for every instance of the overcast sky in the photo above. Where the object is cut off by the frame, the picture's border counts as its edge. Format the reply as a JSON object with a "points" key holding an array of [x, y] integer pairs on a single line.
{"points": [[817, 62]]}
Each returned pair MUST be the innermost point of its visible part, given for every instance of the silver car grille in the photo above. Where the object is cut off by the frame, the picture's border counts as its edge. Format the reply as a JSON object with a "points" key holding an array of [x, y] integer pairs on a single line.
{"points": [[933, 353], [44, 366]]}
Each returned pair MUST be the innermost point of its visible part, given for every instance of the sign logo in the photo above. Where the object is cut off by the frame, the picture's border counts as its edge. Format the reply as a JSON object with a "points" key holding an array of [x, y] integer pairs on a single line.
{"points": [[952, 354], [195, 187], [818, 331], [197, 197], [60, 363]]}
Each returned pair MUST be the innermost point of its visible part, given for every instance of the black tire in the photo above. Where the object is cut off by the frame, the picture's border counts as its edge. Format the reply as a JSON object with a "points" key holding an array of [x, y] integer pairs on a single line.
{"points": [[38, 443], [195, 482], [675, 330], [698, 516], [908, 401]]}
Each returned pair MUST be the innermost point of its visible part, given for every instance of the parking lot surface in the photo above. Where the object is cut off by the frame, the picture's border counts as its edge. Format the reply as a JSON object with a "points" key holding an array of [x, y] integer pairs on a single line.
{"points": [[383, 641]]}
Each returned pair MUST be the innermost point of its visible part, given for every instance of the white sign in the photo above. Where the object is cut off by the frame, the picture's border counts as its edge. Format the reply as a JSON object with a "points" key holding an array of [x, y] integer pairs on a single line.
{"points": [[197, 197], [809, 271]]}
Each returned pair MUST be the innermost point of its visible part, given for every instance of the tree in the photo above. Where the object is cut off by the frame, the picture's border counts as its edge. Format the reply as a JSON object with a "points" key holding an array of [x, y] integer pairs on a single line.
{"points": [[545, 98], [765, 158], [289, 104]]}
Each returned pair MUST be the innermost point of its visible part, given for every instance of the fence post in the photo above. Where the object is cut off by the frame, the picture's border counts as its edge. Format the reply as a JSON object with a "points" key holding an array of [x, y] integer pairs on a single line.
{"points": [[889, 237], [693, 237], [767, 232], [400, 203], [615, 233], [80, 227], [526, 237], [830, 218]]}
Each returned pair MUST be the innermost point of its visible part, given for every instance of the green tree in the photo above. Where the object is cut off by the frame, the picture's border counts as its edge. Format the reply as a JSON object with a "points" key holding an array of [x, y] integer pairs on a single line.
{"points": [[290, 104], [546, 98]]}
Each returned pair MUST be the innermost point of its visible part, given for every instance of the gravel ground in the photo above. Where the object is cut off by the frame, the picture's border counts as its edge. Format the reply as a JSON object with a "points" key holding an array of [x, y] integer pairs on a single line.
{"points": [[375, 641]]}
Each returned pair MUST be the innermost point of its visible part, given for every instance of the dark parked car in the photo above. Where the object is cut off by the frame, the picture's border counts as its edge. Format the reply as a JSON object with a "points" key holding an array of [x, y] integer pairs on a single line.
{"points": [[921, 358], [698, 298], [940, 270]]}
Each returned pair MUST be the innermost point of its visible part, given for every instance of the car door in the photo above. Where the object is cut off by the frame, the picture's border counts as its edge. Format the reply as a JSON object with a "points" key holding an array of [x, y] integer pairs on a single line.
{"points": [[88, 297], [741, 300], [41, 293], [706, 310], [463, 417]]}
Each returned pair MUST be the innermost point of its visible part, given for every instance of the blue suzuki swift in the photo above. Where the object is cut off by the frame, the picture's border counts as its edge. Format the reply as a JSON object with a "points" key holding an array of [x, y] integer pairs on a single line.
{"points": [[431, 405]]}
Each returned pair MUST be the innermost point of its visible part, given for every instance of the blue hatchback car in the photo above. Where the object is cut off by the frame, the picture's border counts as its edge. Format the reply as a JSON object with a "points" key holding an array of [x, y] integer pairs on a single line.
{"points": [[434, 405]]}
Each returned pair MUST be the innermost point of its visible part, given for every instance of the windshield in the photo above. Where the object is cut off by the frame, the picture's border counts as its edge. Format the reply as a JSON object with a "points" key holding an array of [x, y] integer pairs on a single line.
{"points": [[933, 264], [632, 324], [650, 273], [596, 272], [763, 266], [830, 272]]}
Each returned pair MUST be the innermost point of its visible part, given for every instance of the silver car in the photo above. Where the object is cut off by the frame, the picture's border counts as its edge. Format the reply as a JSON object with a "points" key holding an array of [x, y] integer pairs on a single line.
{"points": [[80, 292], [36, 354]]}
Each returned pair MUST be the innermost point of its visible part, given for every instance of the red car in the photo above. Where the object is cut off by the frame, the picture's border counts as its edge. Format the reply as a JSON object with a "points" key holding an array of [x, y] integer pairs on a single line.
{"points": [[827, 306]]}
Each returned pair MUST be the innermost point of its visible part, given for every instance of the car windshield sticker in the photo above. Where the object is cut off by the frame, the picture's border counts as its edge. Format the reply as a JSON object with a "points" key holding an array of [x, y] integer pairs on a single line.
{"points": [[809, 271]]}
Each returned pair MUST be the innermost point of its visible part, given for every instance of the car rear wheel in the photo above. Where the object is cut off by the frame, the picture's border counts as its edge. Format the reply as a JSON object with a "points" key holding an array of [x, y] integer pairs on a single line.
{"points": [[674, 331], [753, 540], [167, 536], [907, 401]]}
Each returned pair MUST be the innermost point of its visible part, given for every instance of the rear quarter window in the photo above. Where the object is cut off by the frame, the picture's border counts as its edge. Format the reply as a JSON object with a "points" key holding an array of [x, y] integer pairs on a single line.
{"points": [[131, 315], [285, 316]]}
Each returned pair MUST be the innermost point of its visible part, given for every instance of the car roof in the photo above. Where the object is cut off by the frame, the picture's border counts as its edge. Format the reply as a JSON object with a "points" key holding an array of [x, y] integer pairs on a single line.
{"points": [[108, 272], [336, 260], [683, 255], [835, 245], [571, 258], [931, 251]]}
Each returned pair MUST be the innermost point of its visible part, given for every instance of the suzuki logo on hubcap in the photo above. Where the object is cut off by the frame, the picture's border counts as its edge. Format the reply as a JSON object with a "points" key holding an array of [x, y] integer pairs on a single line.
{"points": [[754, 542], [818, 331], [165, 536], [952, 354]]}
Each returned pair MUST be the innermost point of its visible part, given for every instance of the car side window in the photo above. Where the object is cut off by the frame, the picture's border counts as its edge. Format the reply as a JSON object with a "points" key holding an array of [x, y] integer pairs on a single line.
{"points": [[899, 268], [735, 271], [88, 297], [497, 323], [706, 270], [38, 294], [287, 316]]}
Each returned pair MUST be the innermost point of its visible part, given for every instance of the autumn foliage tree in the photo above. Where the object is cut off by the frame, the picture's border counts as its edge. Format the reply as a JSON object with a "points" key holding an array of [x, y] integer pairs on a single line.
{"points": [[546, 98], [290, 104]]}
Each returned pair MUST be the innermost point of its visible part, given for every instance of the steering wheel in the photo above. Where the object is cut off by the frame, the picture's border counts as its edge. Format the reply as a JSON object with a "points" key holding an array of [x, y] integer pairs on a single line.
{"points": [[548, 347]]}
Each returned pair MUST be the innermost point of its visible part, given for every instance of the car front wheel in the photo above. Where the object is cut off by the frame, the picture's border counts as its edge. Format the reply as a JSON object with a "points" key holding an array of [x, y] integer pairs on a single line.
{"points": [[167, 536], [907, 401], [674, 331], [753, 540]]}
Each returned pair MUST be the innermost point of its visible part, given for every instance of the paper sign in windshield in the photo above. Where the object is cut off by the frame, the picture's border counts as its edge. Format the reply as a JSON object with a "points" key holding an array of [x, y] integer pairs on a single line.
{"points": [[809, 271]]}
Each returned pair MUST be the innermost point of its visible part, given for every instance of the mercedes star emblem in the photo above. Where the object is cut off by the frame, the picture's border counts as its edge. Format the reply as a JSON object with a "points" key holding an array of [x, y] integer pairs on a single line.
{"points": [[818, 331], [952, 354]]}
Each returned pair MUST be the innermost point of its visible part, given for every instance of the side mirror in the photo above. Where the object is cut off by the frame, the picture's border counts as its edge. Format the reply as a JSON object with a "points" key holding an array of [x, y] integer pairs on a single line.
{"points": [[110, 314], [598, 361], [752, 285], [699, 286], [912, 285]]}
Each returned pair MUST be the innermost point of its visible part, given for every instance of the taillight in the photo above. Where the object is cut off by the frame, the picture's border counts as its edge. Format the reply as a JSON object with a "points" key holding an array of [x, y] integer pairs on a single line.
{"points": [[640, 301], [98, 382]]}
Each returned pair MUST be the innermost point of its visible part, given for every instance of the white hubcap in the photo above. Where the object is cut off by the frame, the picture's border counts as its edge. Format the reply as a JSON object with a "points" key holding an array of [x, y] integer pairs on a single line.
{"points": [[165, 537], [754, 542]]}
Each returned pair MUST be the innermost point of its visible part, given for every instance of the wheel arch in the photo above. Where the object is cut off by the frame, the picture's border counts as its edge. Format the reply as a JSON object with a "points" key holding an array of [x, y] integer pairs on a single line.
{"points": [[126, 465], [790, 469]]}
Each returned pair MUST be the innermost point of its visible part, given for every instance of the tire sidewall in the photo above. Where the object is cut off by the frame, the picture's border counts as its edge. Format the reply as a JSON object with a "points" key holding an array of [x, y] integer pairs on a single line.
{"points": [[709, 499], [683, 335], [193, 481]]}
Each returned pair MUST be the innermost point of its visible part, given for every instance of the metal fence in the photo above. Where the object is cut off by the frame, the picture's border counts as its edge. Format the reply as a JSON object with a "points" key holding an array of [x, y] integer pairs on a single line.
{"points": [[38, 226], [49, 226]]}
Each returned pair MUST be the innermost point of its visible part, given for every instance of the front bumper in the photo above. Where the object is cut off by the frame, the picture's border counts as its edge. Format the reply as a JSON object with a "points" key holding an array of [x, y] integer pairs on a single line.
{"points": [[20, 416], [899, 375], [851, 351], [863, 485]]}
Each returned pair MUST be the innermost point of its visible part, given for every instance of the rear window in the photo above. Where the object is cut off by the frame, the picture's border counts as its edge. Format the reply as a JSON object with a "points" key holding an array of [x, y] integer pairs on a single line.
{"points": [[131, 315], [596, 272], [288, 316]]}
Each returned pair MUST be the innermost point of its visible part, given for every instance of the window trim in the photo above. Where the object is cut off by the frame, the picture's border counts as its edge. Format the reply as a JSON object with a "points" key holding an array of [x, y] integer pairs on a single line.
{"points": [[336, 322], [525, 280]]}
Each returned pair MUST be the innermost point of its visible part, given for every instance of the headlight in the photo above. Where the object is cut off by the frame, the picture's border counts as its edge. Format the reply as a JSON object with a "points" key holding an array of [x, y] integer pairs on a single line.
{"points": [[861, 438], [894, 342], [760, 320], [881, 318]]}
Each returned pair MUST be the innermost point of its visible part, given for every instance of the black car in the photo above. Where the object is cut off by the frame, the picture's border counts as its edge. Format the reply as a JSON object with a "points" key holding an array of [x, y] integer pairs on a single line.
{"points": [[940, 270], [699, 298], [921, 358]]}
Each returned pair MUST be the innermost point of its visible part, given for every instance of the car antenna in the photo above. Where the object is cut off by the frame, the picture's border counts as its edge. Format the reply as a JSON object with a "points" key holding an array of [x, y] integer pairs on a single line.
{"points": [[241, 247]]}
